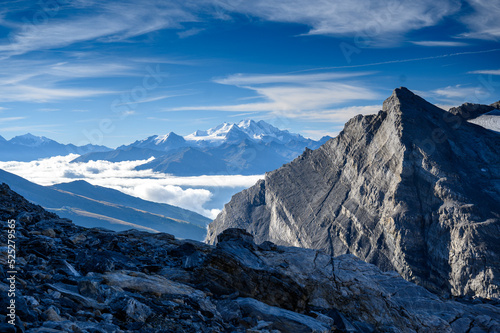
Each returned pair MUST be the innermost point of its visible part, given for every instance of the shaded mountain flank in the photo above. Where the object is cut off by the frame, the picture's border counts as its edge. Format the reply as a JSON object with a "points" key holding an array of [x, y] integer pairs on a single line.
{"points": [[96, 206], [74, 279], [414, 189], [29, 147]]}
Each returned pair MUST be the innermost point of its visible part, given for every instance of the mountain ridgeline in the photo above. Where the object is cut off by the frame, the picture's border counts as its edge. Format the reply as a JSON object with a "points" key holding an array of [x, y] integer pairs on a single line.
{"points": [[96, 206], [29, 147], [413, 188]]}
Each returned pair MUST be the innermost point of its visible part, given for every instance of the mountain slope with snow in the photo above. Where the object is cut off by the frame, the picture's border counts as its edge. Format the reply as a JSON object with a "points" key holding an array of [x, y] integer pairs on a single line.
{"points": [[29, 147], [490, 120]]}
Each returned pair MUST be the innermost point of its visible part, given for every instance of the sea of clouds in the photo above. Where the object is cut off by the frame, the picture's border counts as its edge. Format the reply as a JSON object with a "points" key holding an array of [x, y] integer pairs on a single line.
{"points": [[202, 194]]}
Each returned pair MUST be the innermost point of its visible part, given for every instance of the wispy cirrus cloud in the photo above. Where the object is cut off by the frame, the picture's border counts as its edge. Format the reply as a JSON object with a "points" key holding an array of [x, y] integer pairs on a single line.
{"points": [[155, 98], [306, 96], [486, 72], [87, 70], [189, 32], [9, 119], [376, 23], [483, 22], [399, 61], [381, 22], [457, 91], [42, 81], [457, 95], [342, 115], [104, 22], [433, 43], [43, 95], [31, 128], [249, 79]]}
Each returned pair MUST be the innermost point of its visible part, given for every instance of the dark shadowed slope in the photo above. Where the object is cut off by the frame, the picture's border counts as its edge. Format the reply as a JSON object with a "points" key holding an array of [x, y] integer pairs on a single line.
{"points": [[94, 206]]}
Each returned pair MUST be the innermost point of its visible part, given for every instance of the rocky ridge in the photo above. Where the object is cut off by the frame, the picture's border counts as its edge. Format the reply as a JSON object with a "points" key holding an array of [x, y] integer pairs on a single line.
{"points": [[413, 189], [73, 279], [487, 116]]}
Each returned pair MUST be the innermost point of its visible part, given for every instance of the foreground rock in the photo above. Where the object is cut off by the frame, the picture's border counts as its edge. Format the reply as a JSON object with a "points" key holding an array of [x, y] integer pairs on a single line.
{"points": [[413, 189], [73, 279]]}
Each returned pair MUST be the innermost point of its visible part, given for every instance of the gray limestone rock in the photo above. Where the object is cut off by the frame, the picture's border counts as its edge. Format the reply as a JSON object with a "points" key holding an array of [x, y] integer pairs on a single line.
{"points": [[413, 189], [236, 286]]}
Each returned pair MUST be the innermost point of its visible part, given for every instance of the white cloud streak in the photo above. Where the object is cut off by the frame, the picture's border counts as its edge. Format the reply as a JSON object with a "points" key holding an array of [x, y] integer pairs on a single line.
{"points": [[483, 22], [44, 81], [251, 79], [306, 96], [42, 95], [9, 119], [486, 72], [439, 43], [31, 128], [396, 61], [187, 192], [339, 115], [379, 22], [455, 91], [109, 21], [457, 95]]}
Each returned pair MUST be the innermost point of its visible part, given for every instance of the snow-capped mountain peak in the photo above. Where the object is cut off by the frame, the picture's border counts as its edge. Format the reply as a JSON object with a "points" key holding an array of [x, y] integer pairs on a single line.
{"points": [[221, 130], [218, 134], [160, 139], [248, 128], [264, 131], [165, 142], [30, 140]]}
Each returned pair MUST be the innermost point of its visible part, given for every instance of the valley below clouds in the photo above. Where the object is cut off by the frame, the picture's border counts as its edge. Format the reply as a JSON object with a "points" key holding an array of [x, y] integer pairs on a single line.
{"points": [[205, 194]]}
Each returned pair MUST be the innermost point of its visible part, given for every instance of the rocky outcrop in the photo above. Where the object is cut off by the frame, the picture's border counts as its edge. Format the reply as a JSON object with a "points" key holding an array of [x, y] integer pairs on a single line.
{"points": [[470, 110], [413, 189], [486, 116], [73, 279]]}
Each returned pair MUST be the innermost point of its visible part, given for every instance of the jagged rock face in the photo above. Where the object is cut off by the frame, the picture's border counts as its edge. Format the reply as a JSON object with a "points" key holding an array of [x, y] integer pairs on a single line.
{"points": [[471, 110], [413, 189], [73, 279]]}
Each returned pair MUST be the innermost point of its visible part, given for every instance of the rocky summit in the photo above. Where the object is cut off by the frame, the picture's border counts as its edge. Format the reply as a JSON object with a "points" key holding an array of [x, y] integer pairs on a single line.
{"points": [[74, 279], [413, 189]]}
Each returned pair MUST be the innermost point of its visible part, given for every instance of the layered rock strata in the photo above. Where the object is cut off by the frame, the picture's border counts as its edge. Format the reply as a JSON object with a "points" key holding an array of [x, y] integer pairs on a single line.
{"points": [[413, 189]]}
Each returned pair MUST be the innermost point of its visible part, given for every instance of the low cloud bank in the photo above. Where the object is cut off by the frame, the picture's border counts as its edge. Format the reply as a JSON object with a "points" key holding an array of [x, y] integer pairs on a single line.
{"points": [[191, 193]]}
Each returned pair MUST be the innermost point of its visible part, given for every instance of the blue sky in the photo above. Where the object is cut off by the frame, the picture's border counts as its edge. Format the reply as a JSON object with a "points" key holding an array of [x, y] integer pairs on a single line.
{"points": [[112, 72]]}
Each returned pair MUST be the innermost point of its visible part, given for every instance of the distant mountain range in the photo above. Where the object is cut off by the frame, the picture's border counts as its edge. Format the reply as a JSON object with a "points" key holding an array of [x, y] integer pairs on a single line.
{"points": [[248, 147], [95, 206], [29, 147]]}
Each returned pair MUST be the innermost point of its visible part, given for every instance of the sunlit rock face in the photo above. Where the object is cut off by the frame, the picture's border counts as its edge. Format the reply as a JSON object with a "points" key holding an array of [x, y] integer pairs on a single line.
{"points": [[414, 189]]}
